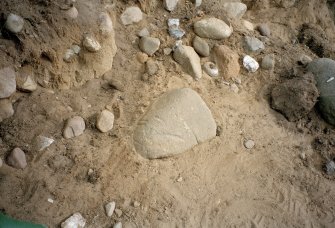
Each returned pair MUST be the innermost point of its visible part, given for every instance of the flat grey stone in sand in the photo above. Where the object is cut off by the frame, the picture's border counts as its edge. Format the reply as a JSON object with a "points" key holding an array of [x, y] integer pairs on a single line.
{"points": [[212, 28], [176, 122], [253, 44], [189, 60]]}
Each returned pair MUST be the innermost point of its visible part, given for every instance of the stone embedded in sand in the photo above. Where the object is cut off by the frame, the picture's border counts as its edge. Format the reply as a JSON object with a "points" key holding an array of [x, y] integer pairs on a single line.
{"points": [[69, 55], [234, 10], [72, 13], [197, 3], [264, 30], [249, 144], [304, 59], [227, 61], [6, 109], [248, 25], [7, 82], [17, 159], [170, 5], [330, 167], [151, 67], [90, 43], [14, 23], [117, 225], [250, 64], [323, 70], [211, 69], [296, 97], [75, 221], [74, 127], [201, 46], [177, 121], [25, 80], [109, 208], [131, 15], [41, 142], [268, 62], [253, 44], [143, 32], [212, 28], [149, 45], [189, 60], [105, 24], [105, 121]]}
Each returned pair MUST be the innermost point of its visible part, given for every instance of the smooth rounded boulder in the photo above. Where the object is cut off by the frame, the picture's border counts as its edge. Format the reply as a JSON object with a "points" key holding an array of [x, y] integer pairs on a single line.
{"points": [[323, 70], [212, 28], [177, 121]]}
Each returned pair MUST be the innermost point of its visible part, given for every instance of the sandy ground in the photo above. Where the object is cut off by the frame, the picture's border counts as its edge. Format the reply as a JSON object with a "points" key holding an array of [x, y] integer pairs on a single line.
{"points": [[219, 183]]}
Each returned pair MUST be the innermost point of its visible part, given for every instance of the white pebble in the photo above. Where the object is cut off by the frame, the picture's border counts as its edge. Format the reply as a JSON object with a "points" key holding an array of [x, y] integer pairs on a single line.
{"points": [[211, 69], [137, 204], [50, 200], [90, 43], [69, 55], [131, 15], [118, 225], [42, 142], [234, 88], [72, 12], [249, 144], [250, 64], [105, 121], [75, 221], [109, 208], [76, 49], [14, 23]]}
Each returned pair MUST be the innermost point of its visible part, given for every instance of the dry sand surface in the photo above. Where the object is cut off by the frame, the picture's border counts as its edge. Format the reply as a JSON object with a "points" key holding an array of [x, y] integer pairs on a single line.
{"points": [[280, 182]]}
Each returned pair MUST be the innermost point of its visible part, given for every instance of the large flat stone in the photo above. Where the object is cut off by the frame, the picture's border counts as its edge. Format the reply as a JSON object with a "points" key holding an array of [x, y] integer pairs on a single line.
{"points": [[176, 122]]}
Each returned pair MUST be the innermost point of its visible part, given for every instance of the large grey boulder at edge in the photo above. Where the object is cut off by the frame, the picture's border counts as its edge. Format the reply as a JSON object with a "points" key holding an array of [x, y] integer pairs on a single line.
{"points": [[324, 71], [176, 122]]}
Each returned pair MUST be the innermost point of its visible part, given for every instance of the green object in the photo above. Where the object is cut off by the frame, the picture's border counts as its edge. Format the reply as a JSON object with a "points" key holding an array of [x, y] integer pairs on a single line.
{"points": [[7, 222]]}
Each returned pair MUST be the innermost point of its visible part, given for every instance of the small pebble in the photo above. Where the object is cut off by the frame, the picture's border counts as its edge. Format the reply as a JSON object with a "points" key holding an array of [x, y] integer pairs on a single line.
{"points": [[268, 62], [151, 67], [25, 81], [211, 69], [149, 45], [180, 179], [248, 25], [74, 127], [14, 23], [69, 55], [7, 82], [90, 43], [105, 121], [174, 30], [249, 144], [330, 167], [131, 15], [109, 208], [303, 156], [170, 5], [197, 3], [143, 32], [105, 24], [264, 30], [137, 204], [50, 200], [142, 57], [201, 46], [76, 49], [118, 225], [118, 212], [72, 12], [17, 159], [305, 59], [250, 64], [75, 221], [253, 44], [42, 142], [234, 88]]}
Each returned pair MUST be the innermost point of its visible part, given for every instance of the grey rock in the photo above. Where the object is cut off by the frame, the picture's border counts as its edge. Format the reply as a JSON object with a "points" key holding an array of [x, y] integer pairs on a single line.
{"points": [[176, 121], [118, 212], [6, 109], [131, 15], [235, 10], [174, 30], [268, 62], [151, 67], [109, 208], [330, 167], [170, 5], [212, 28], [305, 59], [105, 24], [1, 162], [42, 142], [90, 43], [249, 144], [25, 80], [118, 225], [75, 126], [167, 51], [201, 46], [72, 13], [105, 121], [7, 82], [264, 30], [75, 221], [149, 45], [197, 3], [14, 23], [323, 70], [189, 60], [143, 32], [76, 49], [17, 159], [253, 44]]}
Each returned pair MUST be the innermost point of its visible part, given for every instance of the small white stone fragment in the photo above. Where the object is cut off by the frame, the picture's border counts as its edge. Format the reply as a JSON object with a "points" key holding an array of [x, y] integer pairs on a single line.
{"points": [[42, 142], [109, 208], [249, 144], [131, 15], [330, 79], [105, 121], [69, 55], [72, 12], [250, 64], [137, 204], [90, 43], [75, 221], [50, 200], [14, 23], [197, 3], [118, 225], [76, 49], [180, 179], [211, 69], [170, 5], [174, 30], [105, 24]]}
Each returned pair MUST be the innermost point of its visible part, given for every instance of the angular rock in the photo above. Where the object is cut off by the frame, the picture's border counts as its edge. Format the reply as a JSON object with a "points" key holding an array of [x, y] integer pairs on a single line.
{"points": [[250, 64], [189, 61], [17, 159], [69, 55], [131, 15], [143, 32], [75, 221], [201, 46], [212, 28], [42, 142], [7, 82], [323, 70], [25, 80], [151, 67], [177, 121], [264, 30], [174, 30], [170, 5], [105, 24], [253, 44], [105, 121], [6, 109], [74, 127], [90, 43], [14, 23], [227, 61], [296, 97], [72, 13], [109, 208], [149, 45], [268, 62], [234, 10]]}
